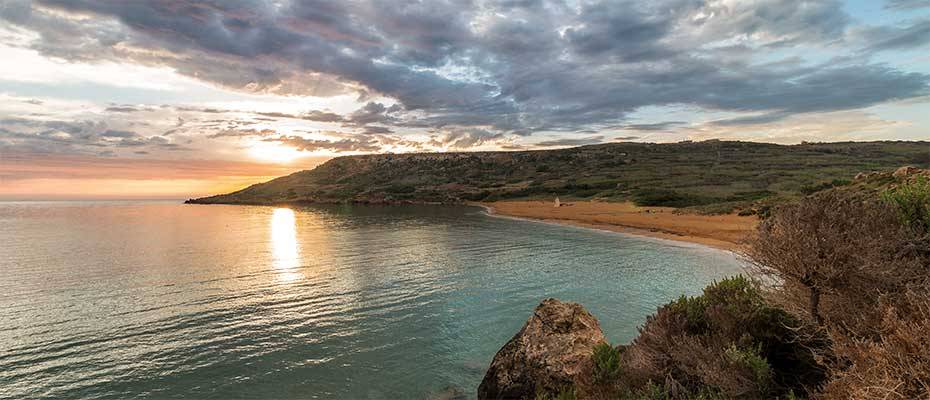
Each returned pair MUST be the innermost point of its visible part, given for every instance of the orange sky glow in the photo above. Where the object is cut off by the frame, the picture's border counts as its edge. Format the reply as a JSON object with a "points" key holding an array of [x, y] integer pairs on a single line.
{"points": [[59, 177]]}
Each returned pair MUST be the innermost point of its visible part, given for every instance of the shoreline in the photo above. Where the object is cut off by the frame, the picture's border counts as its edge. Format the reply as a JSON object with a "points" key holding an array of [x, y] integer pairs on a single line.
{"points": [[721, 232]]}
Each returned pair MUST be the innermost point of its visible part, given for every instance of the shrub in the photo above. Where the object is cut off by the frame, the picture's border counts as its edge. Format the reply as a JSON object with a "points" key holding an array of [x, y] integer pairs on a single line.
{"points": [[567, 393], [606, 360], [750, 196], [832, 254], [752, 360], [669, 198], [652, 391], [858, 268], [897, 366], [728, 342], [912, 201], [401, 188], [814, 188]]}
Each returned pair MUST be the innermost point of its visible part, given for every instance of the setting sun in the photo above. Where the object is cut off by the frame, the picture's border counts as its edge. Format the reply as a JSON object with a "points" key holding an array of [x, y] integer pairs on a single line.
{"points": [[268, 151]]}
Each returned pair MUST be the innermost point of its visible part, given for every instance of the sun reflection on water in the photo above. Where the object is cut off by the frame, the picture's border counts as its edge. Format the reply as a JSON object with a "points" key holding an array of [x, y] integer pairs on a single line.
{"points": [[284, 250]]}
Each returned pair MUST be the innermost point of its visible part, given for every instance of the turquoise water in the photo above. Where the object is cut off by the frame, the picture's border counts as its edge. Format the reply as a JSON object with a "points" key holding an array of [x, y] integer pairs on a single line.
{"points": [[164, 300]]}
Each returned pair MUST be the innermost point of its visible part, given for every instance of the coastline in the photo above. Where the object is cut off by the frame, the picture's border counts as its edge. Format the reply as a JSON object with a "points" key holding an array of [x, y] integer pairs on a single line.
{"points": [[723, 232]]}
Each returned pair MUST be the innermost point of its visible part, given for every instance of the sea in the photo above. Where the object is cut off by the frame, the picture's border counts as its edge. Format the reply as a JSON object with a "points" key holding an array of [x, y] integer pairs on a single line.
{"points": [[158, 299]]}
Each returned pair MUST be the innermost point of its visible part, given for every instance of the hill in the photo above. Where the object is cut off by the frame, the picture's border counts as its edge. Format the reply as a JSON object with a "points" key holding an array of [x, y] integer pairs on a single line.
{"points": [[706, 176]]}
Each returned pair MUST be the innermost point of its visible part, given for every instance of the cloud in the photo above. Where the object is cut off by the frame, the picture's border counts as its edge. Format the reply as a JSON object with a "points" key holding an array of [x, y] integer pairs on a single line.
{"points": [[459, 139], [572, 142], [377, 129], [367, 145], [239, 133], [884, 38], [122, 109], [80, 137], [321, 116], [906, 4], [313, 115], [118, 134], [503, 67], [658, 126]]}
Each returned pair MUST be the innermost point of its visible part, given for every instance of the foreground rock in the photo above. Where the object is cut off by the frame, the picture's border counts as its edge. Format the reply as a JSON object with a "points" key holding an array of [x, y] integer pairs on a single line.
{"points": [[548, 355]]}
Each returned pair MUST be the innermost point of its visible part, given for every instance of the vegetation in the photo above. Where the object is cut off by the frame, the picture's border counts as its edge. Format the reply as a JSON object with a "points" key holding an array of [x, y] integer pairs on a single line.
{"points": [[912, 201], [606, 360], [727, 343], [844, 314], [863, 263], [567, 393], [833, 244], [712, 176]]}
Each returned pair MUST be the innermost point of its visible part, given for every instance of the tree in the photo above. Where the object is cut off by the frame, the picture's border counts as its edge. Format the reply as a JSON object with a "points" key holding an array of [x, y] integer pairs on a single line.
{"points": [[838, 245]]}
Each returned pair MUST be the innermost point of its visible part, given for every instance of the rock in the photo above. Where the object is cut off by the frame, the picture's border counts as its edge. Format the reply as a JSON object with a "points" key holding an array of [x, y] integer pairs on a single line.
{"points": [[451, 392], [905, 171], [551, 350]]}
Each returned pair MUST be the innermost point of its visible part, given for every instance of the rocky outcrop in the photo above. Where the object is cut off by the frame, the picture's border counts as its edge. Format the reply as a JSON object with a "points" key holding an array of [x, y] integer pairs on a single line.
{"points": [[549, 353]]}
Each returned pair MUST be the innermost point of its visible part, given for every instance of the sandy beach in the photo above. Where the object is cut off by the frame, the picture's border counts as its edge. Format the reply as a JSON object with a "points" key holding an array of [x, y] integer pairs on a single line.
{"points": [[719, 231]]}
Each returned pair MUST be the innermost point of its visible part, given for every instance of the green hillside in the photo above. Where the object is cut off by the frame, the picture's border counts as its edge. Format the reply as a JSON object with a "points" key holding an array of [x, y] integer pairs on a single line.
{"points": [[710, 176]]}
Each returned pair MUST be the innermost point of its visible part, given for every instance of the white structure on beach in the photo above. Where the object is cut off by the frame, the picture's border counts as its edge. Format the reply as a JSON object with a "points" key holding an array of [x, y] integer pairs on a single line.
{"points": [[557, 202]]}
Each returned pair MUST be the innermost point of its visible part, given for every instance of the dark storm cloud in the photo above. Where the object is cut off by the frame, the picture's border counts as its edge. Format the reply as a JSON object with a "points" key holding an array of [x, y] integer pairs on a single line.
{"points": [[506, 67], [627, 34]]}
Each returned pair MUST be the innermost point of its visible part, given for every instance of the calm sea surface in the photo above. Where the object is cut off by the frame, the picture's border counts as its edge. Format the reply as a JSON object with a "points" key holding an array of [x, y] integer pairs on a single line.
{"points": [[164, 300]]}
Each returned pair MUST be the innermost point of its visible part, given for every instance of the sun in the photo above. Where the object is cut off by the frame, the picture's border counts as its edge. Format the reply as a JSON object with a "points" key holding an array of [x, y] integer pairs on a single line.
{"points": [[268, 151]]}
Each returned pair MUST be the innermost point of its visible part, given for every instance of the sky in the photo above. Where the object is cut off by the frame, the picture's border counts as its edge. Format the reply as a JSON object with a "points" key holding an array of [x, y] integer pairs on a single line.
{"points": [[178, 99]]}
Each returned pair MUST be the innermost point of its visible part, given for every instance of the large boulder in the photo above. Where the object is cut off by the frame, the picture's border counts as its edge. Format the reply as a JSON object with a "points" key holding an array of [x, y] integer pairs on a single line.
{"points": [[547, 356]]}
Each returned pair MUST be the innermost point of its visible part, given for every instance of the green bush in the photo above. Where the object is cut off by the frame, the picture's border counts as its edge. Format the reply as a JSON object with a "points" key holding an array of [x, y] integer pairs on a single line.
{"points": [[606, 360], [750, 196], [752, 360], [401, 188], [814, 188], [912, 200], [728, 342], [669, 198]]}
